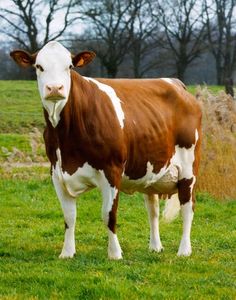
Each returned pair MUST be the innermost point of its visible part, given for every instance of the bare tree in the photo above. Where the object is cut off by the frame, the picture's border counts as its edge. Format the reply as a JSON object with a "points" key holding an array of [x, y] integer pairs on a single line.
{"points": [[144, 39], [183, 29], [30, 22], [109, 24], [221, 21]]}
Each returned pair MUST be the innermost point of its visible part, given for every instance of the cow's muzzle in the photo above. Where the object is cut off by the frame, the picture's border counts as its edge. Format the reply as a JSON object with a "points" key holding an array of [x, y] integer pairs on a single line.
{"points": [[54, 92]]}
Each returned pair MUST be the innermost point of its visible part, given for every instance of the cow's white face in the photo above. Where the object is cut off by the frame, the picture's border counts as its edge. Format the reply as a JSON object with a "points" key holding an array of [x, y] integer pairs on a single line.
{"points": [[53, 63]]}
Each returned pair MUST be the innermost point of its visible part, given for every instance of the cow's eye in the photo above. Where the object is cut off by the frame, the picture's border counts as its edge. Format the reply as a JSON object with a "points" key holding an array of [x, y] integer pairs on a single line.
{"points": [[70, 67], [39, 68]]}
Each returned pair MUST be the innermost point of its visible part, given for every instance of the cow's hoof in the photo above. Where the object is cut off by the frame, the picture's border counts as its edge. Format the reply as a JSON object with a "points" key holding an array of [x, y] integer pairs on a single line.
{"points": [[184, 249], [66, 254], [156, 248], [184, 253], [115, 257]]}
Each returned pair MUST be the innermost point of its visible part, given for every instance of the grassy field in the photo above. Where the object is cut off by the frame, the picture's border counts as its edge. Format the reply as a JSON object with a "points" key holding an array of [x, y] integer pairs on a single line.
{"points": [[32, 226], [21, 106], [31, 238]]}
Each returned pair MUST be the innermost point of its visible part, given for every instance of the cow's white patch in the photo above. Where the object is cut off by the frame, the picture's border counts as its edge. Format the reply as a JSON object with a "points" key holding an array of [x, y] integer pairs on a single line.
{"points": [[55, 61], [114, 249], [161, 182], [152, 205], [109, 194], [185, 244], [183, 159], [169, 80], [84, 179], [54, 109], [113, 97]]}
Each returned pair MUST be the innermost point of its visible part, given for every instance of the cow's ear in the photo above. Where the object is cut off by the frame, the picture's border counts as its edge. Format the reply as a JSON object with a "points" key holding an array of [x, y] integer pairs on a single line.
{"points": [[23, 58], [83, 58]]}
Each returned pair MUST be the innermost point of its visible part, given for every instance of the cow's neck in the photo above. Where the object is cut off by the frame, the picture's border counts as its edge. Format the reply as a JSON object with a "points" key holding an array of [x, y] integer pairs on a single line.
{"points": [[72, 132]]}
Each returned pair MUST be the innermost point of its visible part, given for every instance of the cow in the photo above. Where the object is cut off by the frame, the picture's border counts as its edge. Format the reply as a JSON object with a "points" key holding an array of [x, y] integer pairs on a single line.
{"points": [[129, 135]]}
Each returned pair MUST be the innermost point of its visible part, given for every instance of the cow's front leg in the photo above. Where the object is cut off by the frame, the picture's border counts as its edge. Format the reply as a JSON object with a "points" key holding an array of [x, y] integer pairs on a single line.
{"points": [[110, 196], [68, 205], [152, 205]]}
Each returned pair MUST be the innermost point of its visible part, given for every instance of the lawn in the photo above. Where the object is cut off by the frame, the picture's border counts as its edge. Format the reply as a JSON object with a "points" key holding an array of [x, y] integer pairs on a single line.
{"points": [[21, 108], [31, 237], [212, 88]]}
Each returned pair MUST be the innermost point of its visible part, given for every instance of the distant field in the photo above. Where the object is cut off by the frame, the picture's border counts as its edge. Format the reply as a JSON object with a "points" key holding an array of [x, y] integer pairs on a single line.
{"points": [[212, 88], [21, 107]]}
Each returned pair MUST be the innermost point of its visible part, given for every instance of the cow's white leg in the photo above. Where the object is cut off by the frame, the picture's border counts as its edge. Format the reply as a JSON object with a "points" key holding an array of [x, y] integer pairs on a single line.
{"points": [[109, 208], [152, 205], [187, 200], [68, 205], [187, 215]]}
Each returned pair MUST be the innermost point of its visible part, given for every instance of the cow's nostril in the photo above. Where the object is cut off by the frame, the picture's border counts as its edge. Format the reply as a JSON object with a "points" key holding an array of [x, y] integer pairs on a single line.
{"points": [[48, 88], [60, 87]]}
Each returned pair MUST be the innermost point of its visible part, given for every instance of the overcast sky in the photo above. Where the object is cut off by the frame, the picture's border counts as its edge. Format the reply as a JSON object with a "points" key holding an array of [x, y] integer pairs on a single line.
{"points": [[42, 11]]}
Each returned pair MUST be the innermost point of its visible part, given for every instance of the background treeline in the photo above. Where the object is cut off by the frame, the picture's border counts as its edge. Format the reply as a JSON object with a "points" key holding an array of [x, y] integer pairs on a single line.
{"points": [[192, 40]]}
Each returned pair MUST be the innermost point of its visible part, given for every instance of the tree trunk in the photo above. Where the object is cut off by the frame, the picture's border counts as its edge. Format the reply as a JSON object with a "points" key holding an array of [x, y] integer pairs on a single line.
{"points": [[219, 75], [136, 68], [111, 70], [180, 69]]}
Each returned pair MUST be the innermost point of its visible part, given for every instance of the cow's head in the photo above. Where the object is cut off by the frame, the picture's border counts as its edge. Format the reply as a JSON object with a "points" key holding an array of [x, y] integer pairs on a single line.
{"points": [[53, 63]]}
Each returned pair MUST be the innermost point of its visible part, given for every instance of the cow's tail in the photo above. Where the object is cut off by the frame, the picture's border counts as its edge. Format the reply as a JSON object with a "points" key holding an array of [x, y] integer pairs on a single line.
{"points": [[172, 208]]}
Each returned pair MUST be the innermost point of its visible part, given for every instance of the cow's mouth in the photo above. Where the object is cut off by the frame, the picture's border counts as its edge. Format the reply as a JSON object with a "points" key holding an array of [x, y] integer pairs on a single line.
{"points": [[55, 98]]}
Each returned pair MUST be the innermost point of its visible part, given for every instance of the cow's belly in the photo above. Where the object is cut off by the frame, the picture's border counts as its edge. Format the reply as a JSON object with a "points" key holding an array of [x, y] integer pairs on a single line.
{"points": [[164, 182], [86, 178]]}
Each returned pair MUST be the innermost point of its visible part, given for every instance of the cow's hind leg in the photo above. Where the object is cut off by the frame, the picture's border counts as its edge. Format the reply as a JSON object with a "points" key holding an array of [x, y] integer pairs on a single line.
{"points": [[152, 205], [110, 194], [185, 190], [68, 205]]}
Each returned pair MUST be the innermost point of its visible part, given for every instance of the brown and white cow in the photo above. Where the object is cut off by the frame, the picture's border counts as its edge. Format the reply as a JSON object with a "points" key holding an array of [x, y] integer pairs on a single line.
{"points": [[118, 135]]}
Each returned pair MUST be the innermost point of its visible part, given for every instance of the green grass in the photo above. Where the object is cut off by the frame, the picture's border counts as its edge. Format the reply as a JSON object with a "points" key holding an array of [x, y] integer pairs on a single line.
{"points": [[31, 237], [18, 147], [9, 141], [212, 88], [21, 107]]}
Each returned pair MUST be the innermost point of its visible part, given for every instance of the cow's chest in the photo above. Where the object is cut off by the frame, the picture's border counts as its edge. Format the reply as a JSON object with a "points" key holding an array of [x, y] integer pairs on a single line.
{"points": [[84, 178]]}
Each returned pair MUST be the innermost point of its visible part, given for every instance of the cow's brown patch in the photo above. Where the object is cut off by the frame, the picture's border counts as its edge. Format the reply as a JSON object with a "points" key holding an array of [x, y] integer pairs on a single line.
{"points": [[112, 216], [184, 190]]}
